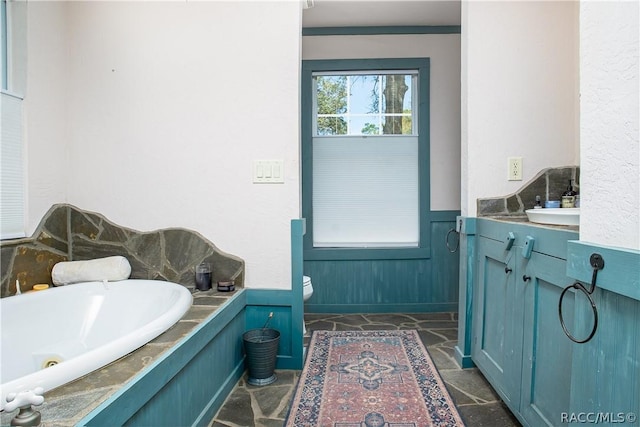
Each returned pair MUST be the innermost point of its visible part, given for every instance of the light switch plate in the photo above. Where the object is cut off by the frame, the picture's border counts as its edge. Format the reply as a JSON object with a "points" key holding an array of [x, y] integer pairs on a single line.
{"points": [[268, 171]]}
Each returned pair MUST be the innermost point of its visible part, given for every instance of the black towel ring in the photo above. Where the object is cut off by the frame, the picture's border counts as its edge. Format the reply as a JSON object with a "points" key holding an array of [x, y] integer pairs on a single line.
{"points": [[446, 241], [581, 288], [598, 264]]}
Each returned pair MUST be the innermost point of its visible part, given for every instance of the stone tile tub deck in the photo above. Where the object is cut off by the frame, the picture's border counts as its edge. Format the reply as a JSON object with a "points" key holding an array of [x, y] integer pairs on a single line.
{"points": [[68, 404], [67, 233]]}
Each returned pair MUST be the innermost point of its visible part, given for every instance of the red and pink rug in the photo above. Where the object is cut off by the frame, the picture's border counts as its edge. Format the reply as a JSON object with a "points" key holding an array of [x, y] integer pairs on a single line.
{"points": [[370, 379]]}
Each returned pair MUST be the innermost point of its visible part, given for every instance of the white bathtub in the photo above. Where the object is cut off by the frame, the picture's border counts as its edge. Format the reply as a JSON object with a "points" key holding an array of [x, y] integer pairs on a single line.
{"points": [[82, 327]]}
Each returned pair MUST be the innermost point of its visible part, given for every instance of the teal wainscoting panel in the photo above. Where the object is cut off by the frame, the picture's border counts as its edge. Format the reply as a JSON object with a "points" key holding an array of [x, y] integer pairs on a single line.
{"points": [[390, 285], [189, 383], [298, 229], [467, 270], [606, 370], [621, 272], [445, 256], [260, 304]]}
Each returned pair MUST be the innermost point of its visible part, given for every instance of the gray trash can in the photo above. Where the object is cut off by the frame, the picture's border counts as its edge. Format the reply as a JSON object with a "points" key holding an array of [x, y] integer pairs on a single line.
{"points": [[261, 348]]}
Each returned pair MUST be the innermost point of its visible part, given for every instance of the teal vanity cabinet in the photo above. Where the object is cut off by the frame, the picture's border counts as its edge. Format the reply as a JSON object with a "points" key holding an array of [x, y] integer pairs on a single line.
{"points": [[517, 340], [546, 351], [496, 346]]}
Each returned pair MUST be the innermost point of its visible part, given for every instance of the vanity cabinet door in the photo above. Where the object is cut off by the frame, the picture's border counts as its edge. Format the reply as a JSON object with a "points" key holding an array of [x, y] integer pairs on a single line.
{"points": [[497, 323], [547, 352]]}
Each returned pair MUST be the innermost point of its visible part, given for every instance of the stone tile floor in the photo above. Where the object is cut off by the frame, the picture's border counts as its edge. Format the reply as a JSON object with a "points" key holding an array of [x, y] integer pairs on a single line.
{"points": [[477, 402]]}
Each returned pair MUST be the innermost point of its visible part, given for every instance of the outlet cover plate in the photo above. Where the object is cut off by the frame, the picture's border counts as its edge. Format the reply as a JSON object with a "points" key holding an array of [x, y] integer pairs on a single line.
{"points": [[514, 168]]}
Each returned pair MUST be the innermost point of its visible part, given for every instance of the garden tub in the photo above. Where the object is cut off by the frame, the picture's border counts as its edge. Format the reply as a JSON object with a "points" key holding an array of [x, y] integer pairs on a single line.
{"points": [[52, 337]]}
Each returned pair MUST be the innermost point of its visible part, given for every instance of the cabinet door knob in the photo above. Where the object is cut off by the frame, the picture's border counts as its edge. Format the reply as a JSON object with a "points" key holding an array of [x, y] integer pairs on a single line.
{"points": [[507, 270], [526, 278]]}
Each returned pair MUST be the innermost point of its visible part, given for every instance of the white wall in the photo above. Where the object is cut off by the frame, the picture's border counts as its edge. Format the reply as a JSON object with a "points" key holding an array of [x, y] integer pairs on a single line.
{"points": [[46, 119], [151, 113], [610, 153], [444, 51], [519, 92], [168, 104]]}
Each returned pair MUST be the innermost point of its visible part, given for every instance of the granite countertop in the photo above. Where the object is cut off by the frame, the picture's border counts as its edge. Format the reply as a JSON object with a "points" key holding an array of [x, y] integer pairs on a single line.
{"points": [[68, 404]]}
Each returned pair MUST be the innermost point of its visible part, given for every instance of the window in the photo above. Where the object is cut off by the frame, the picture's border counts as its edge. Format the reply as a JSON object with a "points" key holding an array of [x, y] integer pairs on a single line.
{"points": [[11, 158], [365, 158], [364, 104], [4, 44]]}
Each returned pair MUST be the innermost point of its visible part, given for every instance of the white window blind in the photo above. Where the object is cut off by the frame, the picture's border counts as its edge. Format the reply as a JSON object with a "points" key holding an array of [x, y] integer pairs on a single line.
{"points": [[11, 168], [365, 191]]}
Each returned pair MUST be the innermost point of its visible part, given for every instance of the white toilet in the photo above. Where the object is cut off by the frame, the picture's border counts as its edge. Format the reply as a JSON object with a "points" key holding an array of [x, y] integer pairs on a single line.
{"points": [[307, 288], [307, 291]]}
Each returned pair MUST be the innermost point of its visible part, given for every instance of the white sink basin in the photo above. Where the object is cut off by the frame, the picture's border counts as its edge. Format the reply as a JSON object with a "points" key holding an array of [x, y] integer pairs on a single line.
{"points": [[555, 216]]}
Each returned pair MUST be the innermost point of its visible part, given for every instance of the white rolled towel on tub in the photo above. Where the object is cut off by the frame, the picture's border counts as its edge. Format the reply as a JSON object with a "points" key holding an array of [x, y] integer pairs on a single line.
{"points": [[111, 268]]}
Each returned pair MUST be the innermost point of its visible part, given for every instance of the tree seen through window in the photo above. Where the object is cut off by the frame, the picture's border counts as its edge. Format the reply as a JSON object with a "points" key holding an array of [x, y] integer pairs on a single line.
{"points": [[364, 104]]}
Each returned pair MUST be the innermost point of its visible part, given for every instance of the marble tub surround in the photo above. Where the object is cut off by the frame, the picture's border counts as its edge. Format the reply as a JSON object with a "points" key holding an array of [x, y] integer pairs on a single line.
{"points": [[67, 233], [549, 184], [68, 404]]}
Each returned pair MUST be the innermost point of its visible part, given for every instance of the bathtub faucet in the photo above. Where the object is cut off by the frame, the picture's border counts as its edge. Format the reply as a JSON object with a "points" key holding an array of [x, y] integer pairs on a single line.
{"points": [[23, 400]]}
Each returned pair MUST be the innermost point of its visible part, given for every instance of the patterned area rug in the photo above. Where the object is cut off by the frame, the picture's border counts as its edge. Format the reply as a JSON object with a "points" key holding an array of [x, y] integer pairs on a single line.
{"points": [[370, 379]]}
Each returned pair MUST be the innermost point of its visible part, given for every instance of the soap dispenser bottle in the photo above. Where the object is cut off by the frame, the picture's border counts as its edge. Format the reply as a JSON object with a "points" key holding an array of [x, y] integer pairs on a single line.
{"points": [[569, 197], [538, 204]]}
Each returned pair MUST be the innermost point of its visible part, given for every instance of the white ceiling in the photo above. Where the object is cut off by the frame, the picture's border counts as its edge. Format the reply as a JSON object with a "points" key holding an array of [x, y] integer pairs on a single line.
{"points": [[348, 13]]}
